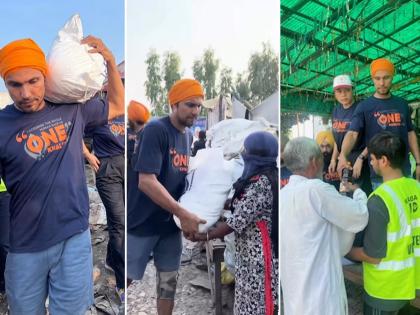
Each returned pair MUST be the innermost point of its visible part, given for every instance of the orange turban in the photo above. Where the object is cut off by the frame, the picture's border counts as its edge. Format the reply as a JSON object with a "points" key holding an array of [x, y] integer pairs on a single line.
{"points": [[382, 64], [184, 89], [22, 53], [138, 112], [325, 135]]}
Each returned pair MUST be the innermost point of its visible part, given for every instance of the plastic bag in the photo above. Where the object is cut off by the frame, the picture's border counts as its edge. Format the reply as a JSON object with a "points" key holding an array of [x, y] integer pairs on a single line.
{"points": [[230, 134], [74, 74], [209, 181]]}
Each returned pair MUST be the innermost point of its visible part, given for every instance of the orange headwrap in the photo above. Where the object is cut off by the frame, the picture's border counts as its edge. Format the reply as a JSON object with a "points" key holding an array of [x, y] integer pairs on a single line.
{"points": [[325, 135], [138, 112], [382, 64], [184, 89], [22, 53]]}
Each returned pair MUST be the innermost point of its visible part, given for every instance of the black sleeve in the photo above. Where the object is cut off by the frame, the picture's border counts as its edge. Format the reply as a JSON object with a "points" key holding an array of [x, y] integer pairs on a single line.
{"points": [[376, 231]]}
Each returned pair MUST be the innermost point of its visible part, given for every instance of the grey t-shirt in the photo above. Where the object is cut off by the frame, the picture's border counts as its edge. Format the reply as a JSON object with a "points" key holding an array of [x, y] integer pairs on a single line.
{"points": [[374, 244]]}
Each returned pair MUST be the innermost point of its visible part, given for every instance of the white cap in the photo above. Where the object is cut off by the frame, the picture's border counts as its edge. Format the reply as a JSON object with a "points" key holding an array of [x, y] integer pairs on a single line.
{"points": [[342, 80]]}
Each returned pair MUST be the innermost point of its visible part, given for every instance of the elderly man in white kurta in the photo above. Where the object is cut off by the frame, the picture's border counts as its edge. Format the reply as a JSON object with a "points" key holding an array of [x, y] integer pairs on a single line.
{"points": [[317, 227]]}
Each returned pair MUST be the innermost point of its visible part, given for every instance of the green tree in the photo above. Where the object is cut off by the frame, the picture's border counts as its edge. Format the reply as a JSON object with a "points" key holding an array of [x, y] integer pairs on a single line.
{"points": [[171, 69], [205, 71], [263, 71], [226, 82], [242, 89], [153, 83]]}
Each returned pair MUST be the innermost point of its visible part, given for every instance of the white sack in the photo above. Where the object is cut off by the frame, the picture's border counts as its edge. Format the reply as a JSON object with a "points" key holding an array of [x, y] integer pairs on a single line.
{"points": [[230, 134], [209, 181], [74, 74]]}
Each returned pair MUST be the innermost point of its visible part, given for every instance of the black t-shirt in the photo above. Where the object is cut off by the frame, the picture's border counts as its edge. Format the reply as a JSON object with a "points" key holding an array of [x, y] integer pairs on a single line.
{"points": [[332, 179], [374, 115], [42, 164], [164, 151]]}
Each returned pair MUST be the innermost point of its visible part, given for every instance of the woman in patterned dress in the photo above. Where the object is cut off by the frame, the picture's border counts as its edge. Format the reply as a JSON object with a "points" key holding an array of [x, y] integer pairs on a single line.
{"points": [[255, 224]]}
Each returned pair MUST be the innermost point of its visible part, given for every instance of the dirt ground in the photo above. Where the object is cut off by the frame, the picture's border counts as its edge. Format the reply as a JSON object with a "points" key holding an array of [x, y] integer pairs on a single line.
{"points": [[193, 294]]}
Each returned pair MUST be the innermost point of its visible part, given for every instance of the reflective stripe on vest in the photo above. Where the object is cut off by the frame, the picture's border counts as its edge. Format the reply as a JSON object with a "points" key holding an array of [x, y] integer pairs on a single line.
{"points": [[405, 228]]}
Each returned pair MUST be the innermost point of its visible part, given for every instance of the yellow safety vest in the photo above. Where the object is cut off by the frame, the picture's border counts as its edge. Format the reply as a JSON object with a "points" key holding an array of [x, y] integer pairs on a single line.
{"points": [[394, 278], [2, 186]]}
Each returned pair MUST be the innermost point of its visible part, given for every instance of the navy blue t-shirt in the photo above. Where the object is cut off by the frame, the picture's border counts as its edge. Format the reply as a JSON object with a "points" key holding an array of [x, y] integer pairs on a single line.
{"points": [[375, 115], [164, 151], [341, 119], [285, 174], [42, 164], [108, 139]]}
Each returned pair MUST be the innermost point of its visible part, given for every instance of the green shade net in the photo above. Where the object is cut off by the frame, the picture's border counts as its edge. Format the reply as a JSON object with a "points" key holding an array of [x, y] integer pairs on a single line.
{"points": [[324, 38]]}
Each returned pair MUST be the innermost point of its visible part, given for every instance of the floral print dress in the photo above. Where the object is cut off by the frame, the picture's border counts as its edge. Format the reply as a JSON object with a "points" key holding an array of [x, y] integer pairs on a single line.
{"points": [[253, 205]]}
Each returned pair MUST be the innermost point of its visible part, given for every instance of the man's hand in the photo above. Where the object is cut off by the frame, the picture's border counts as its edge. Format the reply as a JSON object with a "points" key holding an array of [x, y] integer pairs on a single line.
{"points": [[190, 222], [196, 237], [357, 168], [349, 187], [332, 166], [342, 163], [98, 47], [93, 161]]}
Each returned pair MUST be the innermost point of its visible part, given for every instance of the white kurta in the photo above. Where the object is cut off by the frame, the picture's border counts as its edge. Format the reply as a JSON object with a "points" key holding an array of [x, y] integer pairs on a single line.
{"points": [[317, 227]]}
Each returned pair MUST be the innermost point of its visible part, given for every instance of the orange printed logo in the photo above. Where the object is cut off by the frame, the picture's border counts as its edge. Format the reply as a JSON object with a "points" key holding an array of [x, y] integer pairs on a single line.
{"points": [[340, 126], [391, 119], [44, 139], [117, 129], [179, 161]]}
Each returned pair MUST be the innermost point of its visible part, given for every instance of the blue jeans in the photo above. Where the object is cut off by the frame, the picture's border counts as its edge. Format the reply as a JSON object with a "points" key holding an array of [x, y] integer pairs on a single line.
{"points": [[62, 272]]}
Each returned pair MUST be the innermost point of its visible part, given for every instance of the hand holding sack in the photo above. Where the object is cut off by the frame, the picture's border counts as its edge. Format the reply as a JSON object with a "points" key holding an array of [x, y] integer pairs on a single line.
{"points": [[74, 74], [209, 181]]}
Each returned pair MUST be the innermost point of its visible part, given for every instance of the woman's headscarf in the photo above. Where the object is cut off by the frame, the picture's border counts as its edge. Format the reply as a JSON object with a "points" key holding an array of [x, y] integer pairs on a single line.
{"points": [[260, 152]]}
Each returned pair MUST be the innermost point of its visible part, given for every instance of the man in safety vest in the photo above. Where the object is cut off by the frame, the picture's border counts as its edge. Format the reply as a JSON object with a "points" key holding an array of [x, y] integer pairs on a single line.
{"points": [[391, 270]]}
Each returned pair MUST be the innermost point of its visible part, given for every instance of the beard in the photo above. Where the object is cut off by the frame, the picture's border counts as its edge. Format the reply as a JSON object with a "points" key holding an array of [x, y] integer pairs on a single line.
{"points": [[327, 157]]}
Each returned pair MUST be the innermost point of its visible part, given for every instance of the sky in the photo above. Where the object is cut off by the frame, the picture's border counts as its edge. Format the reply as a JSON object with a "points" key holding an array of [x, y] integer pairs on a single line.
{"points": [[42, 19], [235, 29]]}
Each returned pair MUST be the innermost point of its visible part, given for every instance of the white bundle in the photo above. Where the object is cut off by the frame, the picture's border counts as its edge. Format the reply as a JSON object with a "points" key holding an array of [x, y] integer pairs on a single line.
{"points": [[230, 134], [209, 181], [74, 74]]}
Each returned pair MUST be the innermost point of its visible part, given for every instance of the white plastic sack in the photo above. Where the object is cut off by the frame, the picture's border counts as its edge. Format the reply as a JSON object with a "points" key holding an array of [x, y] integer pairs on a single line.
{"points": [[74, 74], [230, 134], [230, 250], [209, 181]]}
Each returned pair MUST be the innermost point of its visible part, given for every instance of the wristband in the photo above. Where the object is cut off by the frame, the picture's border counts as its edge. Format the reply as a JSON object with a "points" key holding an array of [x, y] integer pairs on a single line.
{"points": [[361, 157]]}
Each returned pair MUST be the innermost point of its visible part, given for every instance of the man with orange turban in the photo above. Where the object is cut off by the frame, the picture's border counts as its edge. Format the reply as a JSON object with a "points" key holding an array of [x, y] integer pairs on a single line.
{"points": [[161, 162], [41, 162], [381, 112], [325, 140]]}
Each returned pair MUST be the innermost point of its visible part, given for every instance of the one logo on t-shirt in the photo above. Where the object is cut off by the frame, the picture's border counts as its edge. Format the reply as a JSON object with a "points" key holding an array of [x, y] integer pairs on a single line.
{"points": [[389, 118], [331, 177], [44, 138], [117, 128], [179, 161], [340, 126]]}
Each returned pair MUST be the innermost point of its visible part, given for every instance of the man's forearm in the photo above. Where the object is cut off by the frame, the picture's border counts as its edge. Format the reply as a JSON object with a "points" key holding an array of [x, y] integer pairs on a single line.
{"points": [[348, 143], [220, 230], [159, 195], [115, 91], [414, 146], [357, 253]]}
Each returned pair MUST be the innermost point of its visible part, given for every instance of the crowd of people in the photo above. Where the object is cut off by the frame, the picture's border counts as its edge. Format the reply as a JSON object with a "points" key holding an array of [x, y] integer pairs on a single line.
{"points": [[355, 178]]}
